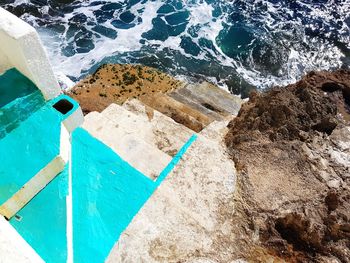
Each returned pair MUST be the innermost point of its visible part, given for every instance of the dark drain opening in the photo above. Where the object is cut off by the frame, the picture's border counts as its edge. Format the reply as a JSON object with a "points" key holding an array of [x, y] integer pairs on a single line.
{"points": [[63, 106], [18, 218]]}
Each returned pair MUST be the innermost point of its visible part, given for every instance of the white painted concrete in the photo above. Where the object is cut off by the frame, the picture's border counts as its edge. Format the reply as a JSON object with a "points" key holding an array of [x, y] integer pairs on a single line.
{"points": [[65, 144], [4, 63], [69, 206], [21, 48], [13, 248], [75, 120]]}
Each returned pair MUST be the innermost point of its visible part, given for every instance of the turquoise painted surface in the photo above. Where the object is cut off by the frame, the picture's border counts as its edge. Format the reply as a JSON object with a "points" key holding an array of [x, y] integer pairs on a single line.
{"points": [[65, 97], [107, 194], [175, 160], [19, 98], [43, 221], [27, 149], [30, 146]]}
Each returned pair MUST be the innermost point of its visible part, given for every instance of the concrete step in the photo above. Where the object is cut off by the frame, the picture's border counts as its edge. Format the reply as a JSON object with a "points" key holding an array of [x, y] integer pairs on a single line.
{"points": [[197, 106], [212, 97], [216, 130], [166, 134], [133, 148], [32, 188], [178, 111], [195, 202]]}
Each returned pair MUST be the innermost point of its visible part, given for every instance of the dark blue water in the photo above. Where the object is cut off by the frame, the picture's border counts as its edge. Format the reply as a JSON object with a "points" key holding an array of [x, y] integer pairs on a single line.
{"points": [[238, 44]]}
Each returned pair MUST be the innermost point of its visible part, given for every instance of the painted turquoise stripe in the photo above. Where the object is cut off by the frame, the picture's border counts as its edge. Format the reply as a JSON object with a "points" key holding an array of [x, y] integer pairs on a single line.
{"points": [[107, 194], [175, 160]]}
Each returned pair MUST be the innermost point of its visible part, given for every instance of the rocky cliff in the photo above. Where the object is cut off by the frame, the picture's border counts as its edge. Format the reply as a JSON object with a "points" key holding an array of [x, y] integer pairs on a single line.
{"points": [[291, 147]]}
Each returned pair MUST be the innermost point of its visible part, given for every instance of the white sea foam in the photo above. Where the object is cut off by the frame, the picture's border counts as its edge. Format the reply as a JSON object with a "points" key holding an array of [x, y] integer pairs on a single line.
{"points": [[305, 52], [126, 41]]}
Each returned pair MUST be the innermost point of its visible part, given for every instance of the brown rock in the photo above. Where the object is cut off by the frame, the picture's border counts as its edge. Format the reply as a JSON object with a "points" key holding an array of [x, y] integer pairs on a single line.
{"points": [[116, 83], [291, 168]]}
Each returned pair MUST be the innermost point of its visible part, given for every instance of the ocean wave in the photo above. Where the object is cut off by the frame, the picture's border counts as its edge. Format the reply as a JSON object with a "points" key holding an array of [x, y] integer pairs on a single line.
{"points": [[240, 44]]}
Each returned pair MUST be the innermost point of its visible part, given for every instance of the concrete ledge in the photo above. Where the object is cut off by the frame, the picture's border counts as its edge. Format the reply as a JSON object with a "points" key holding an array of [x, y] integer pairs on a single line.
{"points": [[75, 120], [13, 248], [74, 117], [21, 48]]}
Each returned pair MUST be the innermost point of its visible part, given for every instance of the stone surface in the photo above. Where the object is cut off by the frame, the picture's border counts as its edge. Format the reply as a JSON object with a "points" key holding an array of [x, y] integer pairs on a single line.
{"points": [[192, 105], [178, 111], [115, 83], [188, 217], [290, 146], [212, 97], [132, 147], [164, 133], [197, 106]]}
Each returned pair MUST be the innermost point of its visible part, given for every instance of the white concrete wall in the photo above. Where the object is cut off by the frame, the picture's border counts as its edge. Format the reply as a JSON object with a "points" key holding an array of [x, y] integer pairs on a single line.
{"points": [[20, 47], [13, 248]]}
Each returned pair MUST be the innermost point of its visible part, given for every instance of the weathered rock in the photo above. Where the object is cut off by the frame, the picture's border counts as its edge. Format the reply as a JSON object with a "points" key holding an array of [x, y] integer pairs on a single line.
{"points": [[291, 149], [116, 83]]}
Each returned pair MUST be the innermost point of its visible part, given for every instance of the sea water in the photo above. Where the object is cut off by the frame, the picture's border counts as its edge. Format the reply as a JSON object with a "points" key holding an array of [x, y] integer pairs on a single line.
{"points": [[238, 44]]}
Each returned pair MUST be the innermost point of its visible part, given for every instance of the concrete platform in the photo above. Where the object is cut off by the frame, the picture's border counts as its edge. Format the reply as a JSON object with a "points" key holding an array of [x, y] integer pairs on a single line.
{"points": [[178, 111], [198, 106], [13, 248], [164, 133], [212, 97], [145, 157], [188, 216], [185, 219]]}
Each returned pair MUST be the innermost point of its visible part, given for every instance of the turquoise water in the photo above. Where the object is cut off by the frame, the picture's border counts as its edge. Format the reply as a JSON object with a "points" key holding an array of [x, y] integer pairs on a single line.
{"points": [[19, 98], [107, 194]]}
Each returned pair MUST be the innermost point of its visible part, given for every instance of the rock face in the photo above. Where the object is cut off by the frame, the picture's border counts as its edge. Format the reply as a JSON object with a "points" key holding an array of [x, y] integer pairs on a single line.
{"points": [[291, 147], [194, 105]]}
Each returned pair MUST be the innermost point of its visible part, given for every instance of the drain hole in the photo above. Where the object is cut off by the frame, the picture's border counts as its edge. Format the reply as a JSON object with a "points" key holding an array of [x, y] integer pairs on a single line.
{"points": [[63, 106], [18, 218]]}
